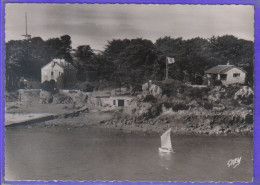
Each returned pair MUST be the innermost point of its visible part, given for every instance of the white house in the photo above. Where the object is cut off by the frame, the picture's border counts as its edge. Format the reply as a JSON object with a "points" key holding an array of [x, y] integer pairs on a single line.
{"points": [[227, 74], [60, 71]]}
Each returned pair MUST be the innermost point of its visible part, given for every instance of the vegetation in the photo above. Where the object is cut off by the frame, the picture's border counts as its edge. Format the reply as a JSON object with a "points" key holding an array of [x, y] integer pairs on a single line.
{"points": [[132, 61]]}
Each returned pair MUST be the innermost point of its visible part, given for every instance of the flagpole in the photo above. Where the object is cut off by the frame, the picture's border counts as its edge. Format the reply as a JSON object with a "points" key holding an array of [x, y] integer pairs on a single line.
{"points": [[166, 68]]}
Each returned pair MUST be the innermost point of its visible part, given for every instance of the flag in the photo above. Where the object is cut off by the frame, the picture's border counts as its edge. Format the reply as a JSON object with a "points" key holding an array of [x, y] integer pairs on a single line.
{"points": [[170, 60]]}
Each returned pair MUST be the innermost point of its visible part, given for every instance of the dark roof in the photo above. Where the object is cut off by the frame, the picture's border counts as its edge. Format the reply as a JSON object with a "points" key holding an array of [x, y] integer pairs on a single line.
{"points": [[221, 69], [218, 69], [102, 96]]}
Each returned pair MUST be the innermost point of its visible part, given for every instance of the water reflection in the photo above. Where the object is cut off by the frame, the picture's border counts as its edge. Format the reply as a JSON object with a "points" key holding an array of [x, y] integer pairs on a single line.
{"points": [[165, 159]]}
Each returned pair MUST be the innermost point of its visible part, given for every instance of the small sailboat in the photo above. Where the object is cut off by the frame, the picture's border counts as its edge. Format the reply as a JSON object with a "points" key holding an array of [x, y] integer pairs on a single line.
{"points": [[166, 144]]}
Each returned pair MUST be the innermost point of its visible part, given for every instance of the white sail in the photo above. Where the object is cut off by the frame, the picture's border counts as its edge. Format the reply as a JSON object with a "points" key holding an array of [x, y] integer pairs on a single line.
{"points": [[166, 139]]}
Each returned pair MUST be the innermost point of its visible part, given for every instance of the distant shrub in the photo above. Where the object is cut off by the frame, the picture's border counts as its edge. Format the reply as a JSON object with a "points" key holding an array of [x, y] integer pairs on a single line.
{"points": [[176, 105], [155, 110], [49, 86], [150, 98], [231, 90], [172, 87], [195, 92], [205, 104], [89, 88], [217, 82], [179, 106]]}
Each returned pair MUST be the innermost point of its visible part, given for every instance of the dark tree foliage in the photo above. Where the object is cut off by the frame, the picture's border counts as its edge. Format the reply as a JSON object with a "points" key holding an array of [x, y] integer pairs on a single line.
{"points": [[84, 52], [194, 56], [26, 57], [135, 60], [132, 62], [238, 52]]}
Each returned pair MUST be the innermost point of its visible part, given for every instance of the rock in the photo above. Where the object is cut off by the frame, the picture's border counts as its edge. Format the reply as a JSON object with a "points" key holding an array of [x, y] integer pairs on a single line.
{"points": [[151, 89], [216, 129], [214, 97], [219, 107], [227, 131], [237, 130], [244, 93], [139, 96]]}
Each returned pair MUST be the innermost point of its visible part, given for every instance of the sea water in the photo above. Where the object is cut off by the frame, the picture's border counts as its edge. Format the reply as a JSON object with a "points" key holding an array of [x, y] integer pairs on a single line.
{"points": [[105, 154]]}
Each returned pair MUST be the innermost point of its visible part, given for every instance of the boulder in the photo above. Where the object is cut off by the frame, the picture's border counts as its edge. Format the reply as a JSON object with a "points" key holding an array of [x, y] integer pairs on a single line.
{"points": [[214, 97], [151, 89], [217, 129], [244, 93]]}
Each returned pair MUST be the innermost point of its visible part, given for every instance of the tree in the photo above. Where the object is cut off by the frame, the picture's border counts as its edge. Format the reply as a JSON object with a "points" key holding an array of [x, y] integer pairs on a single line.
{"points": [[26, 57], [236, 51], [84, 52], [60, 47], [66, 48], [135, 60]]}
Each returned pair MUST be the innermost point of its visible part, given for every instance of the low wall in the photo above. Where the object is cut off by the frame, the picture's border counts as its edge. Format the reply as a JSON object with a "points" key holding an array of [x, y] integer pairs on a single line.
{"points": [[29, 95]]}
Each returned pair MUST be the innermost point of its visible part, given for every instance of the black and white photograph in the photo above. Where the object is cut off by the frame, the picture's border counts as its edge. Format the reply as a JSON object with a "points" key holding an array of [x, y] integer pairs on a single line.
{"points": [[136, 92]]}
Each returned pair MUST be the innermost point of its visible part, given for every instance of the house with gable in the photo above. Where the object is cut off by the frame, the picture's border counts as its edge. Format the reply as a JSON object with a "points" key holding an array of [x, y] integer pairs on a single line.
{"points": [[227, 74], [61, 71]]}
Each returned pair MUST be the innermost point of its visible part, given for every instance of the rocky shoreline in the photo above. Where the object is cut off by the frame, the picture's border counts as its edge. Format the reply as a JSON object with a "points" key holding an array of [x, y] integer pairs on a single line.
{"points": [[131, 125], [206, 111]]}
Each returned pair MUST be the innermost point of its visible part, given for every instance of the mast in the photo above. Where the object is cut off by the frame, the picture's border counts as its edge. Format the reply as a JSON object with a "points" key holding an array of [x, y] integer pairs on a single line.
{"points": [[26, 23], [166, 69], [26, 36]]}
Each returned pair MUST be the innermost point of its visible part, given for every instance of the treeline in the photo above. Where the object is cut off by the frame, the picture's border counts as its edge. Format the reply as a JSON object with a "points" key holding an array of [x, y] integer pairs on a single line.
{"points": [[26, 57], [132, 61]]}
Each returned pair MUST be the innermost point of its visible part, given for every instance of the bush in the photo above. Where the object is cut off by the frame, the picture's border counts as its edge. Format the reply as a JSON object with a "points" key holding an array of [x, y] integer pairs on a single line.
{"points": [[172, 87], [231, 90], [89, 88], [205, 104], [149, 98], [176, 105], [195, 92], [217, 82], [49, 86]]}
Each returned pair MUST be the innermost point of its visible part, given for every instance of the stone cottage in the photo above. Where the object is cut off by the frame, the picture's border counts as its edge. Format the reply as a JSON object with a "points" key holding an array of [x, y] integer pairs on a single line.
{"points": [[227, 74], [59, 70]]}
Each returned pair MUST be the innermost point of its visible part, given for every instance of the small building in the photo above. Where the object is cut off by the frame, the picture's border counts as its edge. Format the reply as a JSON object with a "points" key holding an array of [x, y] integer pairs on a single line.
{"points": [[111, 101], [59, 70], [227, 74], [120, 100], [29, 84]]}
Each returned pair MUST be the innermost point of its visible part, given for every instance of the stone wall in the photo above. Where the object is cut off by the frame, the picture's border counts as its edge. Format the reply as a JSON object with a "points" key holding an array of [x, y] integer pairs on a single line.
{"points": [[29, 95]]}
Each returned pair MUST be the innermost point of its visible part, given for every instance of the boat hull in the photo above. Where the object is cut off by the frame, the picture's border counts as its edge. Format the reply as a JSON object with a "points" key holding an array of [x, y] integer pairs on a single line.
{"points": [[166, 150]]}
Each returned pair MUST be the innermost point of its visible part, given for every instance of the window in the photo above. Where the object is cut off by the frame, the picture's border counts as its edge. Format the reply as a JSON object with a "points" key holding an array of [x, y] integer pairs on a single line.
{"points": [[223, 77], [236, 75], [214, 76], [121, 103], [114, 102], [52, 73], [59, 73]]}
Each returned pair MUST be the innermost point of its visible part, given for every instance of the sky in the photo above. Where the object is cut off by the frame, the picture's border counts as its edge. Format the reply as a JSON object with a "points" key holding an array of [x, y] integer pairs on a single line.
{"points": [[96, 24]]}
